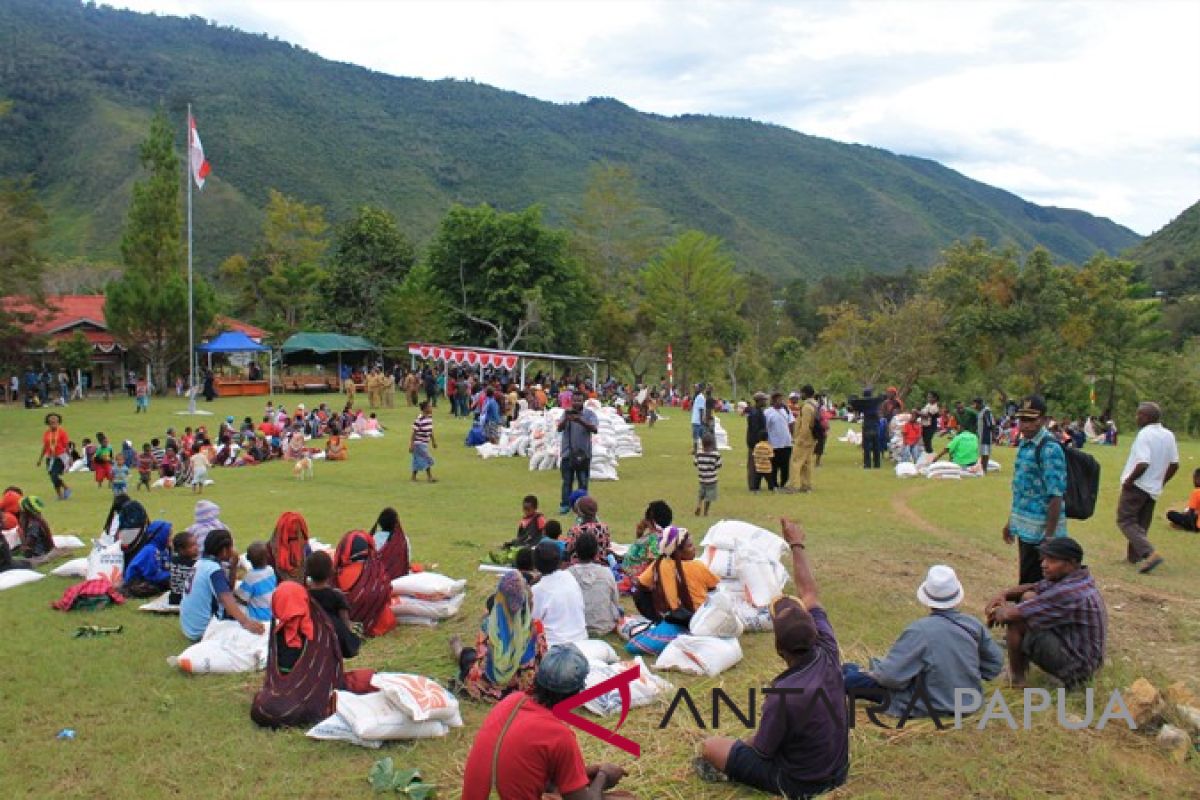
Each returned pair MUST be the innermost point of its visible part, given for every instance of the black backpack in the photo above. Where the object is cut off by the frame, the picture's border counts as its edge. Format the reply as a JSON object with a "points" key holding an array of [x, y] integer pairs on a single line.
{"points": [[1083, 482]]}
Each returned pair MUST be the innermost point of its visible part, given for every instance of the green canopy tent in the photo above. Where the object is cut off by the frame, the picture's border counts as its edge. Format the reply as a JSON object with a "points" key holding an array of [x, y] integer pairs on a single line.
{"points": [[321, 344]]}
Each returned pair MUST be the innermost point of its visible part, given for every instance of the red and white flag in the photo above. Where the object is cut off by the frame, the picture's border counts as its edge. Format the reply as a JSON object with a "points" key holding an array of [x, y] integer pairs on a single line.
{"points": [[196, 160]]}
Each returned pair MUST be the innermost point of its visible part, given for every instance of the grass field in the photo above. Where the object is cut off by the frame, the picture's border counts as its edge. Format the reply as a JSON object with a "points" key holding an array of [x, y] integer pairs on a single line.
{"points": [[146, 730]]}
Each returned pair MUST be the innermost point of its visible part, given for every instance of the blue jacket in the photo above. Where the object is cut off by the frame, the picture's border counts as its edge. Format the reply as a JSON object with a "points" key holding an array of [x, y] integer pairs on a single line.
{"points": [[153, 562]]}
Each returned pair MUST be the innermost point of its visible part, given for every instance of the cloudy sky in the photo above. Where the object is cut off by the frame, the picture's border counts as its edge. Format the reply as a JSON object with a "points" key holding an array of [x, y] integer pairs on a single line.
{"points": [[1090, 105]]}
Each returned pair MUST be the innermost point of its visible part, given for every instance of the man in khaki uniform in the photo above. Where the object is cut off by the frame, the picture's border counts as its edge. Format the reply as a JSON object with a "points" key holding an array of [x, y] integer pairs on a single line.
{"points": [[805, 447]]}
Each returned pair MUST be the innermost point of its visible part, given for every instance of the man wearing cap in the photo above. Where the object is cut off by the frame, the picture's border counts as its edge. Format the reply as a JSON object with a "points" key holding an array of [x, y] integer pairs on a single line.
{"points": [[1059, 623], [1038, 484], [941, 652], [538, 750], [986, 427], [756, 423], [802, 746], [1153, 461]]}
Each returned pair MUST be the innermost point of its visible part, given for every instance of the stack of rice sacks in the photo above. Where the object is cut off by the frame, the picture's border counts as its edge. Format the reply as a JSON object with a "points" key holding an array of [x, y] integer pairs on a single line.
{"points": [[749, 561], [424, 598]]}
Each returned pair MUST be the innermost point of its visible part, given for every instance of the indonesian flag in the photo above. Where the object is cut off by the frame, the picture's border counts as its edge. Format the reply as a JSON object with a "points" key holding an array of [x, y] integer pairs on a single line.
{"points": [[196, 161]]}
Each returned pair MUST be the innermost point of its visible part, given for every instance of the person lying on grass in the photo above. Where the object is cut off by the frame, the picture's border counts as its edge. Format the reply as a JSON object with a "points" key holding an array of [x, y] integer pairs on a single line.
{"points": [[539, 753], [937, 654], [1059, 623], [508, 647], [210, 593], [802, 746]]}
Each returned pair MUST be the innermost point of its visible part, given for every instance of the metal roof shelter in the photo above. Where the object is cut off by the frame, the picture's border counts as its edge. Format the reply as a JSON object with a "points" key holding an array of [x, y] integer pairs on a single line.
{"points": [[487, 357], [325, 343]]}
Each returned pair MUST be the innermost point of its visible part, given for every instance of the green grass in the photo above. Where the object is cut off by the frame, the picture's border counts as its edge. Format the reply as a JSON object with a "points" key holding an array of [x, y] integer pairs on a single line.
{"points": [[144, 729]]}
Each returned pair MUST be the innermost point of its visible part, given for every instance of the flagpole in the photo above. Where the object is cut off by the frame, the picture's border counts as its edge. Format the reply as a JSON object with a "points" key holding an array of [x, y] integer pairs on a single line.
{"points": [[191, 322]]}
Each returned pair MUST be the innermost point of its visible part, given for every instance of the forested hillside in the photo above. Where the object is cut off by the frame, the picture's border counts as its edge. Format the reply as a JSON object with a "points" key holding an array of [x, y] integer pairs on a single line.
{"points": [[83, 82]]}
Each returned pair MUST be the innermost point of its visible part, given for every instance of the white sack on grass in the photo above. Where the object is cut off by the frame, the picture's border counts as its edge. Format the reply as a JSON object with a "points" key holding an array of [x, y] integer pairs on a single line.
{"points": [[754, 619], [906, 470], [160, 605], [317, 544], [403, 605], [18, 577], [763, 576], [376, 717], [106, 560], [226, 647], [354, 435], [375, 434], [407, 620], [717, 617], [732, 534], [700, 655], [597, 650], [428, 586], [336, 729], [993, 466], [13, 537], [317, 456], [944, 476], [722, 563], [75, 568], [420, 697], [68, 542], [644, 691], [80, 465]]}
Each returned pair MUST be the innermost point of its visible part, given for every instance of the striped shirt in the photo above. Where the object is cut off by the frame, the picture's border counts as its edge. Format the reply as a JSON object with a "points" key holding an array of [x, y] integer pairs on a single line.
{"points": [[707, 463], [422, 429], [1073, 608]]}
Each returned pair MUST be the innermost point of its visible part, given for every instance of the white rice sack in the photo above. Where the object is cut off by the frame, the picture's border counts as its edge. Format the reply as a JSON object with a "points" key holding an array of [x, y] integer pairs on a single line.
{"points": [[643, 691], [403, 605], [488, 450], [315, 545], [18, 577], [906, 470], [68, 542], [317, 456], [336, 729], [106, 559], [597, 650], [603, 472], [764, 577], [428, 586], [226, 647], [754, 619], [75, 568], [734, 588], [700, 655], [376, 717], [160, 605], [717, 617], [993, 466], [420, 697], [722, 563], [423, 621], [944, 476], [354, 436], [13, 537], [731, 534]]}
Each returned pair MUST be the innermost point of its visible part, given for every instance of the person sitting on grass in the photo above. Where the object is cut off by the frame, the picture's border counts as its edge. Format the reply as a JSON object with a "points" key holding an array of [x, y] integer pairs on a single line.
{"points": [[530, 531], [210, 592], [601, 602], [37, 540], [258, 584], [644, 550], [537, 750], [963, 449], [319, 568], [183, 565], [336, 448], [361, 574], [149, 570], [587, 510], [289, 546], [508, 647], [1059, 623], [553, 533], [801, 748], [945, 650], [1189, 518], [557, 598], [391, 542], [677, 583]]}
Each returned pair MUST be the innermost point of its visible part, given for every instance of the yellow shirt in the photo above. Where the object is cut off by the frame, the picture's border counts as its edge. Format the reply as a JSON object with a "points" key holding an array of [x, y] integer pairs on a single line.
{"points": [[699, 577]]}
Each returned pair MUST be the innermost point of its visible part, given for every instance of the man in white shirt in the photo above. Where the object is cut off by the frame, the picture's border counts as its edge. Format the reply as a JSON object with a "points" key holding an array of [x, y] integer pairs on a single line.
{"points": [[557, 598], [1153, 461], [779, 435], [699, 411]]}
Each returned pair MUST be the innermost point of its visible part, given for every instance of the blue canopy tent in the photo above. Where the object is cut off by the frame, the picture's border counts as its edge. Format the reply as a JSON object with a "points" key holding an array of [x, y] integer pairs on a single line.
{"points": [[238, 342]]}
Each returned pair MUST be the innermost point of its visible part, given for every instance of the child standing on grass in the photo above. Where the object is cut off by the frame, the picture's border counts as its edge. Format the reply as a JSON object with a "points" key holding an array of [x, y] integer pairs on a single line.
{"points": [[258, 585], [708, 463], [183, 564], [911, 436], [120, 476], [422, 439], [145, 466], [102, 461], [762, 463]]}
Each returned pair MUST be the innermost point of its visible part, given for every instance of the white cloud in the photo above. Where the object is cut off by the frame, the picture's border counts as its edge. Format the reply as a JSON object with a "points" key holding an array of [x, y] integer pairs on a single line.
{"points": [[1094, 105]]}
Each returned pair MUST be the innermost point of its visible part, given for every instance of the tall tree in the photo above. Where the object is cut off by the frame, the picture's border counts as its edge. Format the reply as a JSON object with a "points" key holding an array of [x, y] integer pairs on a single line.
{"points": [[370, 259], [22, 224], [417, 310], [693, 293], [294, 242], [510, 278], [147, 307], [615, 232]]}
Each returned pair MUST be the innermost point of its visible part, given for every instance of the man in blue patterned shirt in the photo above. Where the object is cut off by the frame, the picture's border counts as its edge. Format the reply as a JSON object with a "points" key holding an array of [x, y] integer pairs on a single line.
{"points": [[1039, 482]]}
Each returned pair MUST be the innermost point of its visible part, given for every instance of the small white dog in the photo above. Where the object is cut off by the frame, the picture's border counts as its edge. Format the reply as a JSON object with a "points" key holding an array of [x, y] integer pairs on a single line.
{"points": [[303, 469]]}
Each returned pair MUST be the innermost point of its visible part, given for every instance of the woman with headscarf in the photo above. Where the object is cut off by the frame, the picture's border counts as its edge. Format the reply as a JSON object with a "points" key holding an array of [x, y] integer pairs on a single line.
{"points": [[361, 574], [392, 544], [289, 547], [207, 519], [36, 538], [132, 522], [509, 646], [677, 583], [148, 571], [111, 521]]}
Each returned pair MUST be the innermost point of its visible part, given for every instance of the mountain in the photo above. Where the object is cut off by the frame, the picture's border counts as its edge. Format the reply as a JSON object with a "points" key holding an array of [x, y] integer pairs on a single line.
{"points": [[84, 81], [1170, 257]]}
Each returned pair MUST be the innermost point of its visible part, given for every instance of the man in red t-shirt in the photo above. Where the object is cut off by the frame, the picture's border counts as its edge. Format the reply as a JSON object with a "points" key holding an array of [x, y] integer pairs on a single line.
{"points": [[537, 749], [54, 451]]}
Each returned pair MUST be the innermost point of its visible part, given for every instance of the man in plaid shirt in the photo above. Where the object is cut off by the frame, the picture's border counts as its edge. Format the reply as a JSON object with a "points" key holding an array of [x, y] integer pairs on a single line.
{"points": [[1058, 623]]}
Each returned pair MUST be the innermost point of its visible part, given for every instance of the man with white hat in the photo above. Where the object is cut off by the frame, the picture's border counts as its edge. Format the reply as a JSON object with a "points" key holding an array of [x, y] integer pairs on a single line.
{"points": [[945, 650]]}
